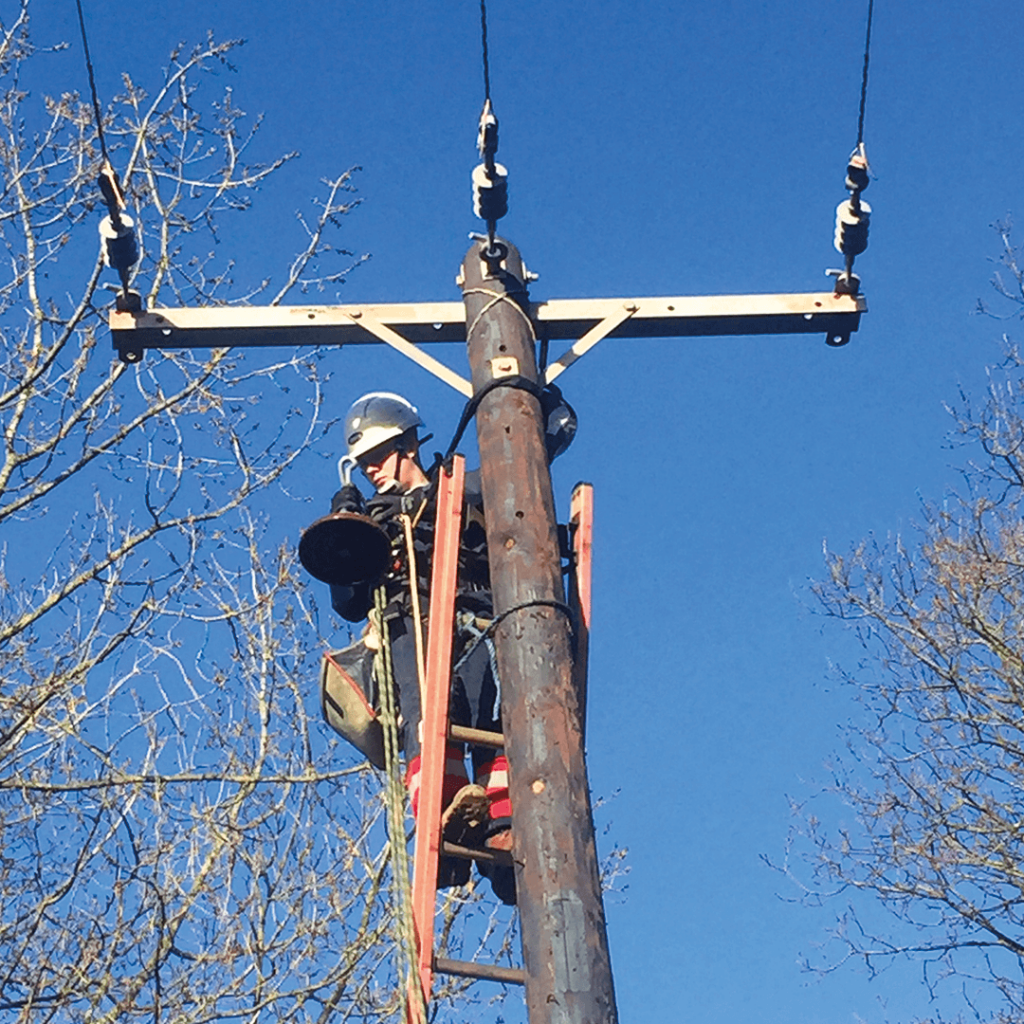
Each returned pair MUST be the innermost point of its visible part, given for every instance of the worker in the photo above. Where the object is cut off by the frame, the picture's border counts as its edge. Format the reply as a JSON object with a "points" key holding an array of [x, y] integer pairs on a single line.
{"points": [[381, 433]]}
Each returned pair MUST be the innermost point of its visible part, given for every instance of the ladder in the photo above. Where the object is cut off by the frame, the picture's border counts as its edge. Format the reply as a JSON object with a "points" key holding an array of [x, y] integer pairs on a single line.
{"points": [[437, 730]]}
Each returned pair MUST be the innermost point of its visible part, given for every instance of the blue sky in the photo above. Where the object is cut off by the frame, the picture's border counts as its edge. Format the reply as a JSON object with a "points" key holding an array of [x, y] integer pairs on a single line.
{"points": [[667, 149]]}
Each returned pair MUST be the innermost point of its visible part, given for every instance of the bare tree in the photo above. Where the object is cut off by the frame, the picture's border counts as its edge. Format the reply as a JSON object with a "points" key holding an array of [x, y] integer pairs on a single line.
{"points": [[935, 770], [179, 839]]}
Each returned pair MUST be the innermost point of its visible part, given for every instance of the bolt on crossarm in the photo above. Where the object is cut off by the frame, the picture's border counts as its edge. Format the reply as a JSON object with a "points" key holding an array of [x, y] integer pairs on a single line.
{"points": [[565, 944]]}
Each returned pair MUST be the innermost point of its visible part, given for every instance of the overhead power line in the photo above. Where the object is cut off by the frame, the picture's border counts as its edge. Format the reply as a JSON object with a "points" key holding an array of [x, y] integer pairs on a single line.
{"points": [[864, 75], [92, 82], [483, 39]]}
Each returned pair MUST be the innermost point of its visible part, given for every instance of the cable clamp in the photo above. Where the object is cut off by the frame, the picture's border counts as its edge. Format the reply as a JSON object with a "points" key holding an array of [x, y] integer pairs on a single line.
{"points": [[487, 139]]}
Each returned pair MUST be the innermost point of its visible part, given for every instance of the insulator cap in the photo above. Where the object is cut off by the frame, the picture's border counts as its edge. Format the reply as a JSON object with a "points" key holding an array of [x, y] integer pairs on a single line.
{"points": [[857, 177], [120, 246], [490, 194], [852, 228]]}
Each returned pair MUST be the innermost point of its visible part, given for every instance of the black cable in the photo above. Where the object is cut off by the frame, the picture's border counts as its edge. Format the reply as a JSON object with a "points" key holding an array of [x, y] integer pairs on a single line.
{"points": [[560, 606], [512, 381], [483, 36], [864, 77], [488, 633], [92, 84]]}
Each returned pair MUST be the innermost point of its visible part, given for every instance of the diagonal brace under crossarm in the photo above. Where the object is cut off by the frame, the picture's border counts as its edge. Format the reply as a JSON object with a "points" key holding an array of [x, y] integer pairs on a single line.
{"points": [[589, 340], [410, 351]]}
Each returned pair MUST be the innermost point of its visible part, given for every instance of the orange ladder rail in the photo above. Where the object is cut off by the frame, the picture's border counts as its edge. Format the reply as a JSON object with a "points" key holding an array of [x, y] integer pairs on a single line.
{"points": [[581, 536], [434, 716]]}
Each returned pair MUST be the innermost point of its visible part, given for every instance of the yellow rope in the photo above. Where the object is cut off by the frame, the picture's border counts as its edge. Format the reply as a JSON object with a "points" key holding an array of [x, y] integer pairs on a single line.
{"points": [[395, 804], [417, 618]]}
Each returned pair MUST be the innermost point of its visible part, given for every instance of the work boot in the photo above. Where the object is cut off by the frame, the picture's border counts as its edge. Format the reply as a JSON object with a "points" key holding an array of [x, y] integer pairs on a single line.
{"points": [[464, 804], [501, 876], [463, 822], [503, 882], [501, 839], [502, 879]]}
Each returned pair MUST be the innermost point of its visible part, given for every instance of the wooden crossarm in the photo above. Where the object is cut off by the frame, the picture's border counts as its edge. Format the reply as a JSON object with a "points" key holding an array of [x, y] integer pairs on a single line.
{"points": [[420, 322]]}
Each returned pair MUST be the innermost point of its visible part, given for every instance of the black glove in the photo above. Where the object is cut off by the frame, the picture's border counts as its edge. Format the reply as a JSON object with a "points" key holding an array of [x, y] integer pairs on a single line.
{"points": [[352, 603], [382, 507], [348, 499]]}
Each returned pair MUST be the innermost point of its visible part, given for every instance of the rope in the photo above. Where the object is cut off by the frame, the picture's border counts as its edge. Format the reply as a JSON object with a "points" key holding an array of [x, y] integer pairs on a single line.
{"points": [[864, 76], [497, 297], [483, 37], [395, 806], [92, 83], [414, 595]]}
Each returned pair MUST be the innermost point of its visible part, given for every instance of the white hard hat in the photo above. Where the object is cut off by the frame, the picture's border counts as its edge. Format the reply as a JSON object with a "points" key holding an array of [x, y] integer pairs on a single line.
{"points": [[372, 420]]}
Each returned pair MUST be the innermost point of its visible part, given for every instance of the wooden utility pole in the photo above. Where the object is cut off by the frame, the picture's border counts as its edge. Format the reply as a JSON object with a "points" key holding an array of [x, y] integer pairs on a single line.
{"points": [[565, 942]]}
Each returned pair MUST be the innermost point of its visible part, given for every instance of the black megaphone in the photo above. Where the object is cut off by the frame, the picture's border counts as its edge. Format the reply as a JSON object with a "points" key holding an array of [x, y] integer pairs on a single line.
{"points": [[345, 548]]}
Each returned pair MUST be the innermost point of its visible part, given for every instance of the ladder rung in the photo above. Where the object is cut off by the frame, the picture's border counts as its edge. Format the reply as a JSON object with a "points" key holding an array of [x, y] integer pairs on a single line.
{"points": [[487, 972], [482, 738], [503, 857]]}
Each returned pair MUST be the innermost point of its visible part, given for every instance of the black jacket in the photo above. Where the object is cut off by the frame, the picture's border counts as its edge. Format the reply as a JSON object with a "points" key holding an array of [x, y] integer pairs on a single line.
{"points": [[474, 588]]}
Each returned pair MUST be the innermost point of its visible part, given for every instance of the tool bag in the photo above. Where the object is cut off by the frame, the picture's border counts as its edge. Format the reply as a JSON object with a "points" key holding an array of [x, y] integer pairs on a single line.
{"points": [[348, 697]]}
